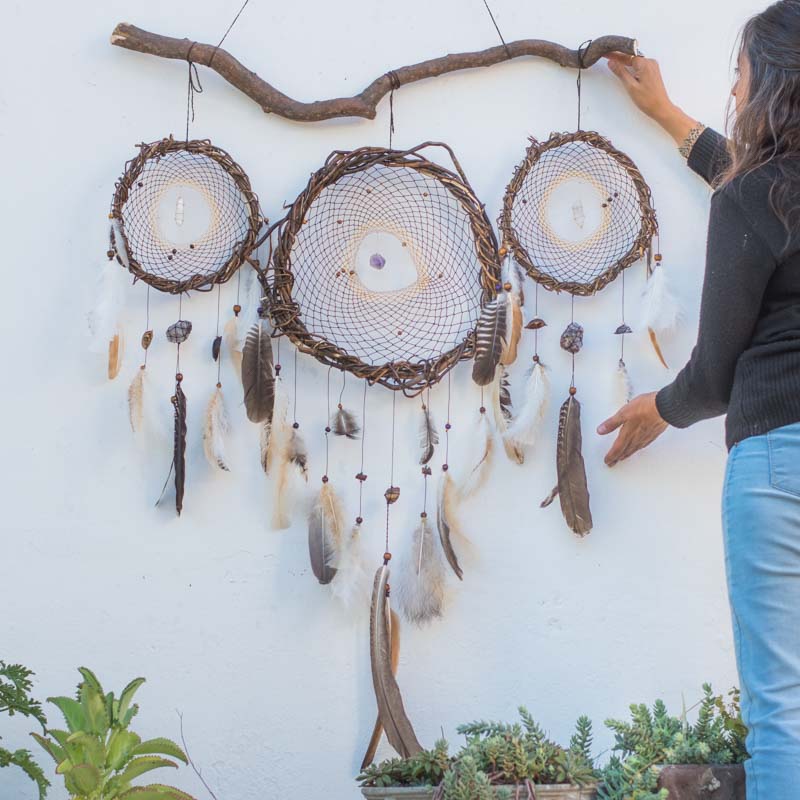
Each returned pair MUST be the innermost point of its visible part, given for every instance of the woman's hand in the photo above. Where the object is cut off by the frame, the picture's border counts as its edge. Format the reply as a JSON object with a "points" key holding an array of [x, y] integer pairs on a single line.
{"points": [[640, 425], [642, 79]]}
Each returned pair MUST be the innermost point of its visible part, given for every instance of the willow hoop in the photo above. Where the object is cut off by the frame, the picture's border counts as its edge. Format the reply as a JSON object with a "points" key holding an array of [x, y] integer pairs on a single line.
{"points": [[232, 223], [626, 220], [320, 296]]}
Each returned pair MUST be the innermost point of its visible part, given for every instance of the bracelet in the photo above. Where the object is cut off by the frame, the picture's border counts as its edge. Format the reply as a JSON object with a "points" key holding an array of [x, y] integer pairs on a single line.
{"points": [[691, 139]]}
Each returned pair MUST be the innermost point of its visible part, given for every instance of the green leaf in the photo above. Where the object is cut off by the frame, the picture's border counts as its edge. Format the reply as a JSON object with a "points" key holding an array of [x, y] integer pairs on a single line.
{"points": [[73, 712], [55, 751], [155, 791], [160, 746], [120, 748], [177, 794], [91, 747], [95, 709], [91, 680], [24, 760], [145, 764], [83, 779], [125, 699]]}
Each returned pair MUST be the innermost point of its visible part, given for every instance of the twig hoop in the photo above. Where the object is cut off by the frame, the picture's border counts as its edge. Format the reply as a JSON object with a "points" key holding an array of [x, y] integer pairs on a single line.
{"points": [[381, 267], [595, 184], [186, 216]]}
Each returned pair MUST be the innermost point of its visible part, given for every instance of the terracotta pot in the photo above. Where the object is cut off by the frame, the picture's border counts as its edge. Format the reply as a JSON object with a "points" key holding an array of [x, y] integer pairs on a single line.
{"points": [[703, 782], [543, 792]]}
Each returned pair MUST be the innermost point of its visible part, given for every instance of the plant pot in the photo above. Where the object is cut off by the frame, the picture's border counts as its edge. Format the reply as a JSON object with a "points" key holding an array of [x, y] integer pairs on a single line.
{"points": [[703, 782], [562, 791]]}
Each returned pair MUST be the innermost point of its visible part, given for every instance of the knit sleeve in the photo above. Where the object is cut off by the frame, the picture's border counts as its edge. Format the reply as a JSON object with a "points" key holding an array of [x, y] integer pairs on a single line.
{"points": [[739, 265], [709, 155]]}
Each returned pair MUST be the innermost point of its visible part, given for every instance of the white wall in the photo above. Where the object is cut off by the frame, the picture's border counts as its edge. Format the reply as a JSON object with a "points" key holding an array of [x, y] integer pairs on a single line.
{"points": [[221, 614]]}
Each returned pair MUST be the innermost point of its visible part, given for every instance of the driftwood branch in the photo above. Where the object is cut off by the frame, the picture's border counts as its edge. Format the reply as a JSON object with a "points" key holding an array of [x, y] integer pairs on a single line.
{"points": [[364, 104]]}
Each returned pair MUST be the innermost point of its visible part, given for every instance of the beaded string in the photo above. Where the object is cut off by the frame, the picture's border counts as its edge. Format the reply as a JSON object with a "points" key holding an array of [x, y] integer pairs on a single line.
{"points": [[393, 492], [361, 477]]}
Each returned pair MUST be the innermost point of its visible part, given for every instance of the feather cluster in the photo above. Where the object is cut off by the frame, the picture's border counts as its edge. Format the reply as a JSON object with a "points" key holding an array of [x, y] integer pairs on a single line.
{"points": [[421, 589], [215, 429], [428, 436], [490, 339], [391, 713], [344, 423], [571, 488], [258, 379], [325, 531], [524, 429], [660, 312], [447, 521]]}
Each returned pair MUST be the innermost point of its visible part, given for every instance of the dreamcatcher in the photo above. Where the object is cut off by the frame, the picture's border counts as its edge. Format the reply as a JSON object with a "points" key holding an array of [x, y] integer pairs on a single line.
{"points": [[379, 271], [183, 218], [576, 214]]}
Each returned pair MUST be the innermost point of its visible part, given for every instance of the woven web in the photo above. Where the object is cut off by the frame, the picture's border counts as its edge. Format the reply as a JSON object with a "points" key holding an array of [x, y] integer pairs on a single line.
{"points": [[422, 320], [604, 213], [184, 216]]}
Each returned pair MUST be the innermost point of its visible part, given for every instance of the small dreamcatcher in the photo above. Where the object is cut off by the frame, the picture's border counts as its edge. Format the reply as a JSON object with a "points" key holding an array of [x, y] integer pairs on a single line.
{"points": [[183, 218], [379, 271], [576, 213]]}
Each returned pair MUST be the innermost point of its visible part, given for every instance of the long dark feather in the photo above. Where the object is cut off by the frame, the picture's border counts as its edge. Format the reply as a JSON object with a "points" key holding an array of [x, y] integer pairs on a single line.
{"points": [[572, 489], [391, 712], [490, 338], [179, 447], [445, 523], [344, 423], [258, 379], [325, 526], [428, 436]]}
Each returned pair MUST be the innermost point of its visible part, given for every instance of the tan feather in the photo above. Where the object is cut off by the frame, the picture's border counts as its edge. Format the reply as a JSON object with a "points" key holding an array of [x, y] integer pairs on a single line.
{"points": [[420, 591], [391, 712], [215, 428], [258, 378], [491, 334], [351, 585], [277, 459], [657, 347], [136, 400], [325, 528], [501, 410], [514, 330], [234, 342], [572, 488], [263, 440], [116, 348], [481, 461], [377, 731], [447, 521]]}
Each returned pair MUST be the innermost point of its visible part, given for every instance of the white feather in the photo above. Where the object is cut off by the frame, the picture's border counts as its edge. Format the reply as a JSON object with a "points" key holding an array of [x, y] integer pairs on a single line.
{"points": [[233, 336], [479, 463], [623, 385], [512, 447], [659, 309], [215, 429], [104, 317], [422, 576], [277, 461], [524, 429], [136, 394], [351, 584]]}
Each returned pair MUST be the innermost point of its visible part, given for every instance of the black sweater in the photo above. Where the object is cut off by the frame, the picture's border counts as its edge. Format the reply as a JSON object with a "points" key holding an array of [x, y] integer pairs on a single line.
{"points": [[747, 358]]}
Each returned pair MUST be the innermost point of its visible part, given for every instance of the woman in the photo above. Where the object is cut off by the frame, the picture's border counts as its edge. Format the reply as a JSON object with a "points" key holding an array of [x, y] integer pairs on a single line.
{"points": [[747, 364]]}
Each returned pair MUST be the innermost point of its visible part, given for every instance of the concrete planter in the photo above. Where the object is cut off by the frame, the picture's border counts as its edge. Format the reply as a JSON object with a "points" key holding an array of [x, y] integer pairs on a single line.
{"points": [[703, 782], [550, 792]]}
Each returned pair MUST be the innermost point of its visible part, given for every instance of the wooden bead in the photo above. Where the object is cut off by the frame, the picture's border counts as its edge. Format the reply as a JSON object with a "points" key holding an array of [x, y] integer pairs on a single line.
{"points": [[387, 557], [219, 385], [324, 478], [179, 377], [327, 429], [423, 515], [295, 425], [572, 390], [507, 286], [359, 520], [236, 309], [657, 257]]}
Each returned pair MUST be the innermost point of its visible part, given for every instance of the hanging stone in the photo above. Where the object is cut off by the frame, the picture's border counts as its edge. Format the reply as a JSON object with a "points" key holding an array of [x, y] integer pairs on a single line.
{"points": [[147, 338], [623, 329], [377, 261], [536, 324], [392, 494], [572, 338], [179, 331], [215, 347]]}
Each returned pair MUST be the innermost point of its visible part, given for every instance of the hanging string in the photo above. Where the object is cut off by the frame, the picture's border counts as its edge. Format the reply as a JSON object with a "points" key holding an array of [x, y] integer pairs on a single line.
{"points": [[581, 66], [426, 470], [147, 322], [219, 355], [497, 28], [389, 499], [295, 425], [394, 79], [327, 426], [341, 393], [361, 477], [536, 316], [178, 355], [572, 319], [447, 427], [622, 336]]}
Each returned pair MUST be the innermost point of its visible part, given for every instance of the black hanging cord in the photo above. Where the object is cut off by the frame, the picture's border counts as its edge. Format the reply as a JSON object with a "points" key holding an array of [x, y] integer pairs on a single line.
{"points": [[497, 28], [581, 66], [394, 79]]}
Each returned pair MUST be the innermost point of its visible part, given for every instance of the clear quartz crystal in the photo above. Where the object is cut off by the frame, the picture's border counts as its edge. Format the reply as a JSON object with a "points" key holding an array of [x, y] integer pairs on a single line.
{"points": [[179, 211]]}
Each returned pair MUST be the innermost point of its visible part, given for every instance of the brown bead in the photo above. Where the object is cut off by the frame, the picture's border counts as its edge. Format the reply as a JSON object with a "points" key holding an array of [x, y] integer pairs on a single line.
{"points": [[236, 309], [324, 478], [219, 385], [387, 556], [657, 257], [536, 359], [502, 251], [572, 390], [147, 339], [536, 324], [507, 286], [445, 467], [111, 216], [179, 377], [359, 520], [483, 409], [426, 470], [392, 494], [110, 254], [423, 515]]}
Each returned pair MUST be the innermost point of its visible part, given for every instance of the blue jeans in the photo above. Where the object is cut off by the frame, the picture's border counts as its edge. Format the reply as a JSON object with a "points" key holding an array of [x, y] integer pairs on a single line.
{"points": [[761, 522]]}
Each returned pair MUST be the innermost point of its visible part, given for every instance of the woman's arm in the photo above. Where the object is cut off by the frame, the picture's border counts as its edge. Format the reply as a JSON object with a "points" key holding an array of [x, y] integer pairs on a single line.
{"points": [[738, 266]]}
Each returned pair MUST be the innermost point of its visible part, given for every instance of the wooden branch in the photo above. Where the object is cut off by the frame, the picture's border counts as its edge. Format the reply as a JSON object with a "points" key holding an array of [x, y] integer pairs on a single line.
{"points": [[273, 101]]}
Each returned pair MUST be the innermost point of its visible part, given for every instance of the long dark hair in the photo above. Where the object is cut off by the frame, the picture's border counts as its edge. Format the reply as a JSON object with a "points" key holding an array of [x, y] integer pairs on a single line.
{"points": [[766, 128]]}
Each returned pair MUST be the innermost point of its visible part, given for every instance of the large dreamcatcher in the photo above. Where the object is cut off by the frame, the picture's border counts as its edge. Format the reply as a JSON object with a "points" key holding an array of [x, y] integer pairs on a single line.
{"points": [[380, 270], [576, 213], [183, 218]]}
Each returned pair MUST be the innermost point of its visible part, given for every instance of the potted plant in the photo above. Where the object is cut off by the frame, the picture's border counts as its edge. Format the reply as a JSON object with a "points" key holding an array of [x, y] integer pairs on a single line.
{"points": [[498, 760], [15, 698], [660, 756], [98, 755]]}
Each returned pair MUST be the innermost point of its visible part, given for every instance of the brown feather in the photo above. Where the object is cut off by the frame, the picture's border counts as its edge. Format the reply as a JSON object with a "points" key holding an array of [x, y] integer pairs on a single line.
{"points": [[115, 350], [573, 491], [490, 338], [446, 522], [391, 712], [657, 347], [377, 731], [515, 331], [179, 446], [258, 379], [325, 526], [428, 436], [344, 423], [504, 416]]}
